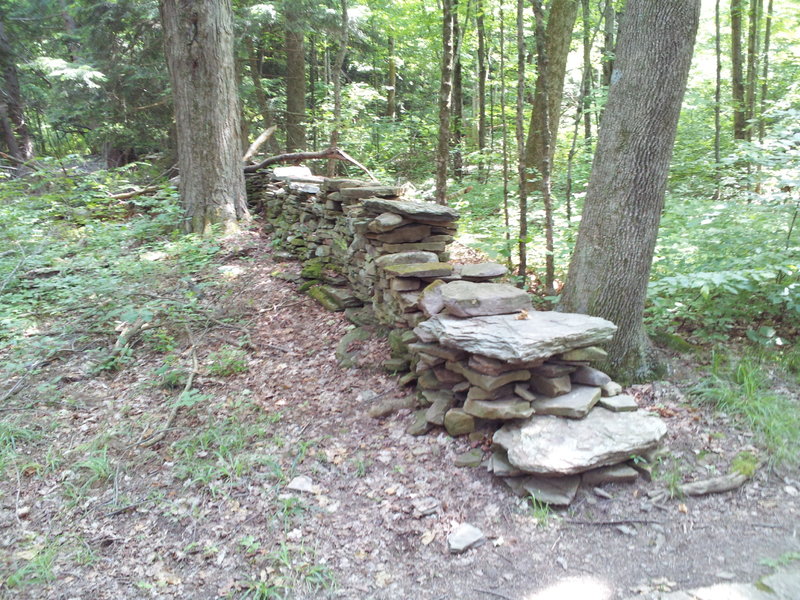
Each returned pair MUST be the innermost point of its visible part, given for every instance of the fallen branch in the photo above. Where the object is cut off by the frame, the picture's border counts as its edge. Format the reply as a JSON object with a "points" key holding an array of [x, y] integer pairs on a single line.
{"points": [[25, 163], [458, 193], [298, 157], [715, 485], [612, 523], [125, 195], [258, 143]]}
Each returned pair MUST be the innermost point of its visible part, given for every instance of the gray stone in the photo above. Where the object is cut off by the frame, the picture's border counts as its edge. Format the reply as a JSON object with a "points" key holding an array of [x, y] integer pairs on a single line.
{"points": [[500, 466], [301, 483], [590, 376], [549, 369], [487, 270], [343, 297], [473, 458], [476, 393], [492, 366], [404, 284], [430, 269], [499, 410], [457, 422], [370, 191], [524, 392], [445, 375], [621, 473], [557, 491], [406, 233], [414, 247], [437, 350], [470, 299], [464, 537], [420, 424], [426, 361], [427, 211], [430, 302], [551, 386], [441, 401], [425, 506], [507, 338], [395, 365], [548, 445], [619, 403], [574, 405], [385, 222], [488, 382], [344, 353], [584, 354], [610, 389], [405, 258], [292, 172]]}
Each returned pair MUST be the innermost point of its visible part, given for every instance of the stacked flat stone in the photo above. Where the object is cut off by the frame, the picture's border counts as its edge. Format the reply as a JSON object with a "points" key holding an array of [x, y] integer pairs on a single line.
{"points": [[485, 356]]}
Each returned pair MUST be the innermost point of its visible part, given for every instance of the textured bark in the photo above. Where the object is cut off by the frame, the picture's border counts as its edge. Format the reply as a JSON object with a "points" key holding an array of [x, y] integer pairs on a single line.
{"points": [[586, 77], [481, 27], [391, 85], [609, 39], [295, 80], [552, 62], [21, 146], [337, 84], [753, 48], [445, 100], [198, 38], [610, 267], [765, 72], [522, 271], [737, 71], [457, 102]]}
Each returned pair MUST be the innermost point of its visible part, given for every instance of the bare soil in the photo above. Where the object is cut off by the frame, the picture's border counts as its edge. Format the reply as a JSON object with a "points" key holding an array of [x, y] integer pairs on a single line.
{"points": [[206, 513]]}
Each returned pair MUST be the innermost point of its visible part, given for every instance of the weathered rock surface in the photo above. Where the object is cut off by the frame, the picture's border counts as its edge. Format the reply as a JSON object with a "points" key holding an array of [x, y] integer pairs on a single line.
{"points": [[426, 211], [470, 299], [579, 354], [464, 537], [575, 404], [406, 233], [551, 386], [558, 491], [612, 474], [457, 422], [488, 382], [368, 191], [405, 258], [425, 269], [503, 409], [487, 270], [548, 445], [507, 338], [385, 222], [619, 403], [590, 376]]}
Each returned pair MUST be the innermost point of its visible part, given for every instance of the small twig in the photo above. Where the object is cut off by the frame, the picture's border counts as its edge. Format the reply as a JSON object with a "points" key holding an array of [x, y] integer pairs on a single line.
{"points": [[119, 511], [612, 523], [505, 558], [766, 526], [19, 491], [491, 593]]}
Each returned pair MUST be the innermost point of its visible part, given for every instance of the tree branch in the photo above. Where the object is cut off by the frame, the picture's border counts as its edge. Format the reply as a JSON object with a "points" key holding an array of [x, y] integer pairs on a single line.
{"points": [[297, 157]]}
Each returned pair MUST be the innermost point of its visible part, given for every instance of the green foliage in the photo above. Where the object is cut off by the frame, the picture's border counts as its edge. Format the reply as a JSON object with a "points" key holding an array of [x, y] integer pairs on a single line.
{"points": [[227, 361]]}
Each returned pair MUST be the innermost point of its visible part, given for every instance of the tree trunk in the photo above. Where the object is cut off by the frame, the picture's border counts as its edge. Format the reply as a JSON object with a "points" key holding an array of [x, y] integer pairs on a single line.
{"points": [[295, 80], [504, 134], [481, 27], [586, 77], [391, 87], [254, 64], [198, 38], [337, 85], [717, 103], [521, 170], [737, 72], [765, 72], [457, 102], [753, 44], [610, 267], [12, 98], [609, 31], [445, 99]]}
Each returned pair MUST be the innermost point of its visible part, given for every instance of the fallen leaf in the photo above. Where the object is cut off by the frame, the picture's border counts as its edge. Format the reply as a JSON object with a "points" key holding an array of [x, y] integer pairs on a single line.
{"points": [[428, 537]]}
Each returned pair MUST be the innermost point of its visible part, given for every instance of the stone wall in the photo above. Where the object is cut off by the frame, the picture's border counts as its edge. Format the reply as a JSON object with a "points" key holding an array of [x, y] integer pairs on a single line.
{"points": [[481, 357]]}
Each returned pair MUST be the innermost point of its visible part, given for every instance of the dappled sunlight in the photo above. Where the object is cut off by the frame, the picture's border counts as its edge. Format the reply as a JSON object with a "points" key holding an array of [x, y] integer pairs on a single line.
{"points": [[582, 587]]}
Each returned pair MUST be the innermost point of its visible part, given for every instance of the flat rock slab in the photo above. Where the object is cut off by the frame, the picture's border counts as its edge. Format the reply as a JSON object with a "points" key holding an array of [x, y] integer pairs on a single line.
{"points": [[424, 269], [406, 233], [488, 383], [575, 404], [381, 191], [504, 409], [507, 338], [487, 270], [783, 585], [619, 403], [426, 211], [406, 258], [557, 491], [611, 474], [464, 537], [385, 222], [590, 376], [470, 299], [548, 445]]}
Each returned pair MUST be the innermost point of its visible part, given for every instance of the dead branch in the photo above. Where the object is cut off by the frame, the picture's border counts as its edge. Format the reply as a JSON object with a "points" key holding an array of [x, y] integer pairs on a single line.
{"points": [[125, 195], [298, 157], [458, 193], [715, 485], [258, 143], [25, 163]]}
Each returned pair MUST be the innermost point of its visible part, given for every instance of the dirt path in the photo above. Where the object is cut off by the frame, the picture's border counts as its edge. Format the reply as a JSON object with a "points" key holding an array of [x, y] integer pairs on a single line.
{"points": [[207, 513]]}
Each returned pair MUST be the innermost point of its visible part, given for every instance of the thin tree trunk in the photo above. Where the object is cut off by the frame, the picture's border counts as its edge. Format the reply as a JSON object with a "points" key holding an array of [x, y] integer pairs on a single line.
{"points": [[254, 65], [609, 30], [764, 72], [391, 92], [717, 103], [295, 80], [586, 76], [445, 99], [504, 130], [12, 97], [610, 267], [753, 47], [481, 27], [521, 170], [199, 48], [337, 85], [457, 102], [737, 71]]}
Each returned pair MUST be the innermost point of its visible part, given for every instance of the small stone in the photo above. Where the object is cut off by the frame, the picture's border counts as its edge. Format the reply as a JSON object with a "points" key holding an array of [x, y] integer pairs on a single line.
{"points": [[551, 386], [385, 222], [420, 424], [301, 483], [23, 512], [476, 393], [404, 284], [425, 506], [552, 370], [405, 258], [500, 466], [473, 458], [619, 403], [610, 389], [492, 366], [437, 350], [574, 405], [601, 493], [488, 382], [589, 353], [499, 410], [590, 376], [430, 301], [523, 391], [464, 537], [406, 233], [395, 365], [621, 473], [558, 491], [427, 361], [370, 191], [441, 401], [417, 211], [457, 422]]}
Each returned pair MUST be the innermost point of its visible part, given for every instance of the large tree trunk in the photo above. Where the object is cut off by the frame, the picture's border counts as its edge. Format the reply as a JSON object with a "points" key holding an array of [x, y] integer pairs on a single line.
{"points": [[445, 100], [610, 267], [737, 71], [198, 37], [16, 126], [295, 80]]}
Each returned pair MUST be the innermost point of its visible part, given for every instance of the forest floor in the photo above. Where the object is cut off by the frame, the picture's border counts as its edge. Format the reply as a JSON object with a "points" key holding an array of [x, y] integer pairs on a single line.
{"points": [[90, 509]]}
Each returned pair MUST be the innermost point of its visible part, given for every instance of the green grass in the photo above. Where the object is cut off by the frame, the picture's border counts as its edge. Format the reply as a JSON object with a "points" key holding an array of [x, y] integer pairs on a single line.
{"points": [[742, 388], [37, 567], [12, 435]]}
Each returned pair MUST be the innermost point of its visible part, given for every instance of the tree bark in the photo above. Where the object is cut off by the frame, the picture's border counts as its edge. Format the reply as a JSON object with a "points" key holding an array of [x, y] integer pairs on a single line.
{"points": [[391, 87], [198, 38], [737, 72], [609, 39], [481, 27], [337, 84], [16, 124], [522, 272], [586, 77], [445, 100], [753, 48], [295, 79], [610, 267], [457, 102], [254, 65]]}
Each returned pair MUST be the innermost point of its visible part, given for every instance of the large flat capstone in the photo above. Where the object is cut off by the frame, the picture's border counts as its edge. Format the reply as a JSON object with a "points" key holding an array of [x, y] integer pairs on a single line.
{"points": [[426, 211], [548, 445], [511, 339], [469, 299]]}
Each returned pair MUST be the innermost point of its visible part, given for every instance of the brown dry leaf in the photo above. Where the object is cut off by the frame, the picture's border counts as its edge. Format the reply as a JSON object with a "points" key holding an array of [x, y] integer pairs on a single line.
{"points": [[427, 537]]}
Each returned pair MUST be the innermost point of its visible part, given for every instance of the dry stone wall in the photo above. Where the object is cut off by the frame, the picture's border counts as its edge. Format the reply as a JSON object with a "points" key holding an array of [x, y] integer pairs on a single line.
{"points": [[478, 353]]}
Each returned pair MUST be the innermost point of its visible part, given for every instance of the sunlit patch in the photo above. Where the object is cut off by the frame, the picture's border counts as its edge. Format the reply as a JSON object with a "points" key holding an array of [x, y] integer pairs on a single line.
{"points": [[575, 588]]}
